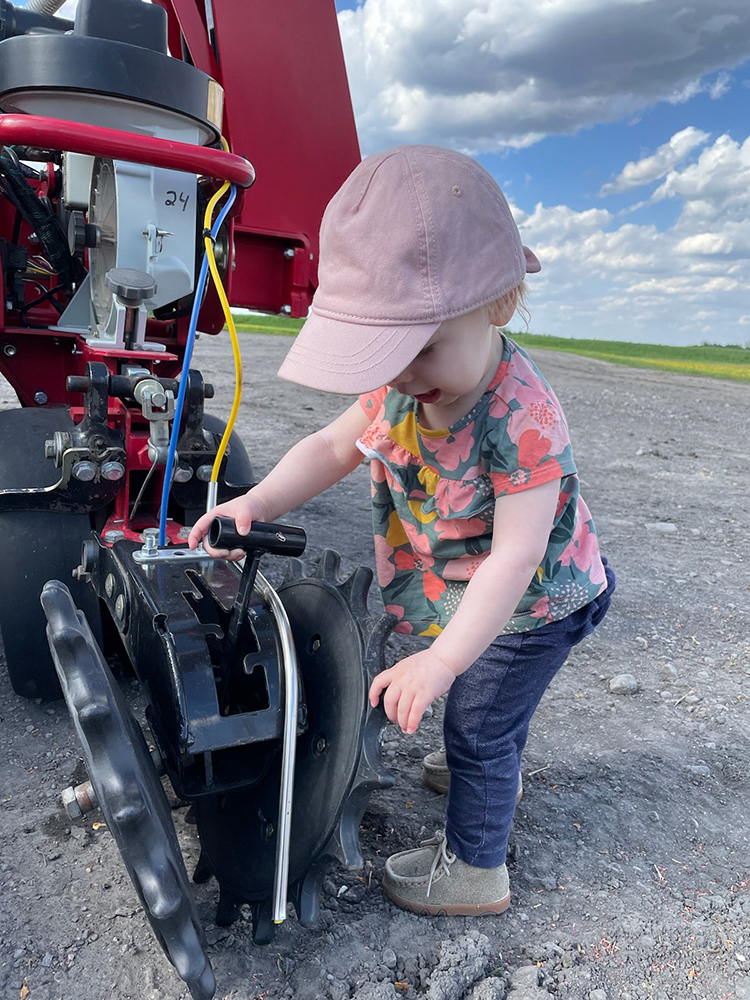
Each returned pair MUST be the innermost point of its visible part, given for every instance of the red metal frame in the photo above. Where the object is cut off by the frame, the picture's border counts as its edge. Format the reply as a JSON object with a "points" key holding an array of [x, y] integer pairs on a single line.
{"points": [[287, 107]]}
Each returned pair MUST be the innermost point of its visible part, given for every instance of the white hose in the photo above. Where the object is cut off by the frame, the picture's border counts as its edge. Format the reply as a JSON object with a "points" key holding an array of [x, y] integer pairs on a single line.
{"points": [[48, 7]]}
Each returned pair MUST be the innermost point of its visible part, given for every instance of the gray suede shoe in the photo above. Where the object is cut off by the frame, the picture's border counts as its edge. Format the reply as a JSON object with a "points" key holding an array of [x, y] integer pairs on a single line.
{"points": [[435, 773], [431, 880]]}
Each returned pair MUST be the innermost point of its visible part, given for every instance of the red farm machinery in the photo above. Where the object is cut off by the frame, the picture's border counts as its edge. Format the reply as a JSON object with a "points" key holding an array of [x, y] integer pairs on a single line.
{"points": [[161, 162]]}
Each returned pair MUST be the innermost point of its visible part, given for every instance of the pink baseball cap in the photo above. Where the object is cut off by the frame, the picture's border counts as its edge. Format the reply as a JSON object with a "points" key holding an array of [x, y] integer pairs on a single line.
{"points": [[414, 236]]}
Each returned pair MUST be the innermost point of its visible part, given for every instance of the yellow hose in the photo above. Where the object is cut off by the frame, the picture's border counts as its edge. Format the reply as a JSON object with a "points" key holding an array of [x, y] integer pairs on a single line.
{"points": [[230, 323]]}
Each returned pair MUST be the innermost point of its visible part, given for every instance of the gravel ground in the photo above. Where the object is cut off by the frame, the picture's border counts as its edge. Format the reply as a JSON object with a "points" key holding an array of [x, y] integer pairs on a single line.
{"points": [[629, 854]]}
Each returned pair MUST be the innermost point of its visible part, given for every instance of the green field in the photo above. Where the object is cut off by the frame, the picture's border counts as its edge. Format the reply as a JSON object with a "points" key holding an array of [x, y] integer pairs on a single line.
{"points": [[710, 360]]}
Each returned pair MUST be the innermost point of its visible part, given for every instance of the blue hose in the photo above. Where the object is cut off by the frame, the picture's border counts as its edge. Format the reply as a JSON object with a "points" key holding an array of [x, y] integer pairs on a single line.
{"points": [[200, 284]]}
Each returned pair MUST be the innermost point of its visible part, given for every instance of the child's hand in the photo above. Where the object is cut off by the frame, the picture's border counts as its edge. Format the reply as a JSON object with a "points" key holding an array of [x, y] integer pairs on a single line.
{"points": [[413, 684], [242, 510]]}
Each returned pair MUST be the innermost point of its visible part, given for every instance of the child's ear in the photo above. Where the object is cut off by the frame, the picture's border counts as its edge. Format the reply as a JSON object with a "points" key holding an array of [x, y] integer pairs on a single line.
{"points": [[502, 309]]}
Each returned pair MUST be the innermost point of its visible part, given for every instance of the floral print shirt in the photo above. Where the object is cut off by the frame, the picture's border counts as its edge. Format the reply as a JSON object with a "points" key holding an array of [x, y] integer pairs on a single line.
{"points": [[433, 499]]}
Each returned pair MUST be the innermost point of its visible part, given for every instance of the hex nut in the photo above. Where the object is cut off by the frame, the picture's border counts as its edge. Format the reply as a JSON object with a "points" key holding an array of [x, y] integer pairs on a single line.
{"points": [[183, 474], [84, 472], [70, 803], [112, 471]]}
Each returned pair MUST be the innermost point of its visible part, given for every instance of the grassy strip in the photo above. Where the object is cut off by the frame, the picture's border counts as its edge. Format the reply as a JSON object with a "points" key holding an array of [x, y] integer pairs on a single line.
{"points": [[709, 360], [714, 362], [659, 352], [276, 326]]}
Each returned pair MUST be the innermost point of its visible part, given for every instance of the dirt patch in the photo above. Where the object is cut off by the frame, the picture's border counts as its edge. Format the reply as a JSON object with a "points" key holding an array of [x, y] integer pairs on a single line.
{"points": [[629, 854]]}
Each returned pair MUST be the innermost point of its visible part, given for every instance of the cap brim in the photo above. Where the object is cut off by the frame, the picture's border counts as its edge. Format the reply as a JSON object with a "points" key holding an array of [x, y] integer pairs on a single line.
{"points": [[532, 261], [338, 356]]}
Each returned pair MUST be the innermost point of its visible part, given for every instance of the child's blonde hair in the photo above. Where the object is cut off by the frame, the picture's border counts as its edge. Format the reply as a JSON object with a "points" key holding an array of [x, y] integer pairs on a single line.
{"points": [[503, 309]]}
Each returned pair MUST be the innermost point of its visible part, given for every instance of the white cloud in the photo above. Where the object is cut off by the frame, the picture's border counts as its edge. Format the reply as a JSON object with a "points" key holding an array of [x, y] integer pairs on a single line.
{"points": [[719, 87], [651, 168], [604, 278], [716, 187], [485, 76]]}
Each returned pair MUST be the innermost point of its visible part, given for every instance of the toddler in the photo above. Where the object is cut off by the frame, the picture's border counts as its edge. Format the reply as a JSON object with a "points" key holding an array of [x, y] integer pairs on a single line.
{"points": [[482, 539]]}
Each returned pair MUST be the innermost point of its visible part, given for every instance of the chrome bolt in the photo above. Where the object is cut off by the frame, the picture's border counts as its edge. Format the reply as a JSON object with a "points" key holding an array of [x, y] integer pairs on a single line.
{"points": [[150, 538], [113, 535], [113, 471], [183, 474], [287, 310], [109, 585], [10, 350], [315, 645], [40, 398], [84, 471], [120, 606], [79, 800], [320, 744], [56, 446], [204, 473], [269, 831], [289, 253]]}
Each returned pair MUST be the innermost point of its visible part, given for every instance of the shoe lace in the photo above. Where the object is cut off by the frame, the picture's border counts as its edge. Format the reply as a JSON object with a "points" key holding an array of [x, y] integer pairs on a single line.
{"points": [[444, 857]]}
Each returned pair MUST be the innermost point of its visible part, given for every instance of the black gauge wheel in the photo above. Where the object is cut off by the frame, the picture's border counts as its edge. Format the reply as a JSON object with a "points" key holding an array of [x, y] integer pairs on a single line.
{"points": [[128, 789]]}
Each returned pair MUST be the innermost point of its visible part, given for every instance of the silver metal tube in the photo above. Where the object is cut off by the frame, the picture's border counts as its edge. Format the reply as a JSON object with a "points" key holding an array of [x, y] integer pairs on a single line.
{"points": [[49, 7], [212, 496], [289, 748]]}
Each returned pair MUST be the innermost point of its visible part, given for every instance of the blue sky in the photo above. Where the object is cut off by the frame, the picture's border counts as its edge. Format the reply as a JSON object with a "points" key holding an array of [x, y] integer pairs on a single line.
{"points": [[618, 130]]}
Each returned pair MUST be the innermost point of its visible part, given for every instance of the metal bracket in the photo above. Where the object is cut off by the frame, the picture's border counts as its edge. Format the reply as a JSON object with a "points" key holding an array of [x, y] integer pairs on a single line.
{"points": [[69, 494], [144, 557], [92, 442]]}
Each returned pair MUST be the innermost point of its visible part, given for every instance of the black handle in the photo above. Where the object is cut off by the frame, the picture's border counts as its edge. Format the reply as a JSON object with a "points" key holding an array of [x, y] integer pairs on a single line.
{"points": [[278, 539]]}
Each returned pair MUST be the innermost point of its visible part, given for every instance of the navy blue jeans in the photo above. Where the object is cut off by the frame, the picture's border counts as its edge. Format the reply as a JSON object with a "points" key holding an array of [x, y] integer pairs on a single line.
{"points": [[487, 718]]}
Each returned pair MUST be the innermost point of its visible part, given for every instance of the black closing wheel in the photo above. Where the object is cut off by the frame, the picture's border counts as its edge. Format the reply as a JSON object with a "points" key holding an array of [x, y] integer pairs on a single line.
{"points": [[340, 648], [35, 546], [128, 788]]}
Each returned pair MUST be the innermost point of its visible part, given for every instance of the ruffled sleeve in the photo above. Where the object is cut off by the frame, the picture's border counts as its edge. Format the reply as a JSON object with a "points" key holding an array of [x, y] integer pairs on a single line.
{"points": [[526, 441], [372, 401]]}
